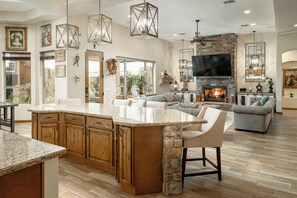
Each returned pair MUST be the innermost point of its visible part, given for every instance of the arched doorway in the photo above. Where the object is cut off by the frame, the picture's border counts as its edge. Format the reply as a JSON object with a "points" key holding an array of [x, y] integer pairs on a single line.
{"points": [[289, 80]]}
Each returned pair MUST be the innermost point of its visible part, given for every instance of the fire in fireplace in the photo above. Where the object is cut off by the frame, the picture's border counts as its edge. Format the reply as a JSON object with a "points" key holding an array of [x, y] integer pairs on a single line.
{"points": [[215, 93]]}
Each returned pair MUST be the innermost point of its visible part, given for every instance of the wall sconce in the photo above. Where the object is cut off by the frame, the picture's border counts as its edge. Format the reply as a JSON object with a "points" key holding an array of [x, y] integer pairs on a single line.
{"points": [[76, 79]]}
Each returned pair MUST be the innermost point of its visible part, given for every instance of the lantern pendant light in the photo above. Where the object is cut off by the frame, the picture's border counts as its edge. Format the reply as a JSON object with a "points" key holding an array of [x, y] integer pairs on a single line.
{"points": [[99, 29], [183, 63], [144, 21], [255, 58], [67, 35]]}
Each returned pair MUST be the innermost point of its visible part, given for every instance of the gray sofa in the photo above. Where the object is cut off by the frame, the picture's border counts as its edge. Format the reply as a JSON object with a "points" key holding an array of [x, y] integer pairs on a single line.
{"points": [[254, 118], [175, 103]]}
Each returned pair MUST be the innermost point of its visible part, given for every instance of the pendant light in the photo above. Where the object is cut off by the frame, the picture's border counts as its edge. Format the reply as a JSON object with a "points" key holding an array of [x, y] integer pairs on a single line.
{"points": [[99, 29], [183, 63], [67, 35], [144, 21], [255, 58]]}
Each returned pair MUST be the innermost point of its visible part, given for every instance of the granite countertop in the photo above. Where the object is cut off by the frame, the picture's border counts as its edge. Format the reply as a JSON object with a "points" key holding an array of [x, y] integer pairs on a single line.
{"points": [[125, 115], [17, 152]]}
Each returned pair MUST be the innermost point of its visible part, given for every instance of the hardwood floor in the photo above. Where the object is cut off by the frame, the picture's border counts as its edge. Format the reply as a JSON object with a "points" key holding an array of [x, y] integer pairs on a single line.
{"points": [[253, 165]]}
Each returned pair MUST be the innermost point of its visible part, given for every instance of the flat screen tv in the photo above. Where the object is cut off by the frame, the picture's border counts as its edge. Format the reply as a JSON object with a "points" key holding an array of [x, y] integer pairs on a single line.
{"points": [[212, 65]]}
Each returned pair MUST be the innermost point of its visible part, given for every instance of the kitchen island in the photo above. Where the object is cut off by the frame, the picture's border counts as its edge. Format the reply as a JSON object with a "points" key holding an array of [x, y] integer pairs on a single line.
{"points": [[28, 168], [141, 146]]}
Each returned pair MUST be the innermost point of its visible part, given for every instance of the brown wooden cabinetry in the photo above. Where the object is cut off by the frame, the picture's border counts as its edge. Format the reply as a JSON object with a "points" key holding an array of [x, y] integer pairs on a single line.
{"points": [[100, 144], [75, 140], [140, 151], [45, 127]]}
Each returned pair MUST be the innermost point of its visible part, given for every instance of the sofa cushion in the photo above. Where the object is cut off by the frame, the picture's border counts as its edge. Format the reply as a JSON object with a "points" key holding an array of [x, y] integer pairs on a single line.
{"points": [[257, 103], [256, 110], [270, 103], [264, 99], [169, 97], [188, 105]]}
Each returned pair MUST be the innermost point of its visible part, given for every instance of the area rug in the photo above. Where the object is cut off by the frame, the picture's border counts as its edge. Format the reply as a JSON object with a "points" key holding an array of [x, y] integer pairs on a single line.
{"points": [[229, 120]]}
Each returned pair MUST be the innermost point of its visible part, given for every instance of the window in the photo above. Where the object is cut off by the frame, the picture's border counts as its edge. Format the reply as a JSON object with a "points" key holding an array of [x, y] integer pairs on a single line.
{"points": [[48, 76], [17, 77], [135, 77]]}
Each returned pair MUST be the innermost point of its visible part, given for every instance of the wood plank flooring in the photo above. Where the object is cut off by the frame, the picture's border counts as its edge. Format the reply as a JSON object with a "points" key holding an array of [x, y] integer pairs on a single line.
{"points": [[254, 165]]}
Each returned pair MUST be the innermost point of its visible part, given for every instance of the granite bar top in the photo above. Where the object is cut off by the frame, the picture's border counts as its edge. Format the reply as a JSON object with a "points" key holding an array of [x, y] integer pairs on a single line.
{"points": [[18, 152], [124, 115]]}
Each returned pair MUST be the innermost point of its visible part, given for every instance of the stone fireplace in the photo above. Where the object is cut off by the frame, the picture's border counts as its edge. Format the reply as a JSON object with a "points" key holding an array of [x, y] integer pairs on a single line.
{"points": [[215, 93]]}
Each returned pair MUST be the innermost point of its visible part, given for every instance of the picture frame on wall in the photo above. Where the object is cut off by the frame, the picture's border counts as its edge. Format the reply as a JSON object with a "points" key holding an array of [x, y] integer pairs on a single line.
{"points": [[290, 78], [60, 55], [10, 66], [46, 35], [16, 38], [60, 71]]}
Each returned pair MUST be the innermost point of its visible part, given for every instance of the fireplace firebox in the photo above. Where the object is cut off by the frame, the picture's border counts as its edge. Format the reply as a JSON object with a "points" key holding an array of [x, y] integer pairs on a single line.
{"points": [[215, 93]]}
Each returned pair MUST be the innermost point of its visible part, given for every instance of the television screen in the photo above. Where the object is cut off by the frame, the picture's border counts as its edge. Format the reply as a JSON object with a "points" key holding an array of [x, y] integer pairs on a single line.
{"points": [[212, 65]]}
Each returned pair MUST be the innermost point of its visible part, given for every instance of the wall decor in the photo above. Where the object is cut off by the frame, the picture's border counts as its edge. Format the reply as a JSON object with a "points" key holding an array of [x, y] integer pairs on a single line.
{"points": [[60, 55], [46, 35], [290, 78], [11, 66], [16, 38], [60, 71]]}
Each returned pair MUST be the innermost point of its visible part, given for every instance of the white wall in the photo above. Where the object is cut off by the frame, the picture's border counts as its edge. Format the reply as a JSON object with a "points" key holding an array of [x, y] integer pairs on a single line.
{"points": [[21, 112], [123, 45], [285, 42], [270, 41], [177, 46]]}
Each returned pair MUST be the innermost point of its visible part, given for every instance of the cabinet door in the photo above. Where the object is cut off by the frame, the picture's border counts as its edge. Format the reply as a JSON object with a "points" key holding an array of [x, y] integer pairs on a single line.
{"points": [[48, 133], [100, 146], [34, 126], [75, 140], [125, 150]]}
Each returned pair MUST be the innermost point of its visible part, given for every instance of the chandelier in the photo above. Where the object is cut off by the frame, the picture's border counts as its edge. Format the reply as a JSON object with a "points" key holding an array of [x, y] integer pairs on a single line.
{"points": [[183, 63], [255, 58], [99, 29], [144, 21], [67, 35]]}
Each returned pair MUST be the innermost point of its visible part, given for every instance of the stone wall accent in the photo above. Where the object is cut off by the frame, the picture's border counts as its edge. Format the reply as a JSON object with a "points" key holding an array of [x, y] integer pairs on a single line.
{"points": [[227, 46], [172, 160]]}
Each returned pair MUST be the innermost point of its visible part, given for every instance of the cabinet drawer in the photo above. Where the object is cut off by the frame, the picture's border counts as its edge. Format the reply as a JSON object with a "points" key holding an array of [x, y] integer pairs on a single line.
{"points": [[48, 117], [94, 122], [75, 119]]}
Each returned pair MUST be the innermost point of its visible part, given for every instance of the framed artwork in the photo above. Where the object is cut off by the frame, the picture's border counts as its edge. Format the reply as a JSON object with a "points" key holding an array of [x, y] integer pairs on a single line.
{"points": [[60, 55], [46, 35], [16, 38], [290, 78], [11, 66], [60, 71]]}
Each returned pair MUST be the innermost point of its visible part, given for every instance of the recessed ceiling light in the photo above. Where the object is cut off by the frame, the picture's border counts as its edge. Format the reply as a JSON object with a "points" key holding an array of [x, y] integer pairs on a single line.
{"points": [[295, 25], [129, 16], [175, 34], [253, 24], [247, 12]]}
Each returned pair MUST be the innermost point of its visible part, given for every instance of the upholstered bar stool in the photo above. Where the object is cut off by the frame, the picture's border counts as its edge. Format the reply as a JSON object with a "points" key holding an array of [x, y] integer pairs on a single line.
{"points": [[202, 136]]}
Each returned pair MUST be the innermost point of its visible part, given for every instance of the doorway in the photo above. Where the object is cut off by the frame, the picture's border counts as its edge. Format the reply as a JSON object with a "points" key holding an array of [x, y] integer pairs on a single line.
{"points": [[94, 86]]}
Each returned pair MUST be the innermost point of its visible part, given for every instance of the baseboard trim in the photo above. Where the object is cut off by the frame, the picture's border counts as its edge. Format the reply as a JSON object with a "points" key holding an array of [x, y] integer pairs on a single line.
{"points": [[21, 121]]}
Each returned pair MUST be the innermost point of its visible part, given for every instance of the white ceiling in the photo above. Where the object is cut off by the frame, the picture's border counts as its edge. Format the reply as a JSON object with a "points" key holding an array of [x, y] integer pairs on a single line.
{"points": [[175, 16]]}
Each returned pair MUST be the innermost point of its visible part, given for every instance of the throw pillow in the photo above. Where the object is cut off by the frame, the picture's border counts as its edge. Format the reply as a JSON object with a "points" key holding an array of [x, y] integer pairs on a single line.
{"points": [[264, 99], [257, 103], [169, 97]]}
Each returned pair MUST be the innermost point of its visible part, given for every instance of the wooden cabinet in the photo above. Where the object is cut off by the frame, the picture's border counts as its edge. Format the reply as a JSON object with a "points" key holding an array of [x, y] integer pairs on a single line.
{"points": [[45, 127], [75, 140], [100, 144], [125, 156], [34, 125], [140, 151]]}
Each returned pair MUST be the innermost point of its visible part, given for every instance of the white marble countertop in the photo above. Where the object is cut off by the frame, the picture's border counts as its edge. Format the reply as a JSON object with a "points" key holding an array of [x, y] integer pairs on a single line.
{"points": [[18, 152], [125, 115]]}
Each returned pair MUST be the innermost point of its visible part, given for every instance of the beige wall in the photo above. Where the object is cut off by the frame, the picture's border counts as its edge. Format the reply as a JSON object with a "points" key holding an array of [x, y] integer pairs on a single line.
{"points": [[270, 41]]}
